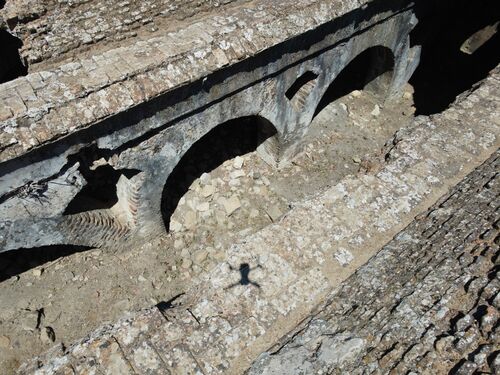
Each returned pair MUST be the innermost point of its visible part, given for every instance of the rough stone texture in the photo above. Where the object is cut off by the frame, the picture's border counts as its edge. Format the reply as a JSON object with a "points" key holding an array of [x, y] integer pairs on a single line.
{"points": [[77, 94], [227, 319], [52, 29], [141, 107], [427, 303]]}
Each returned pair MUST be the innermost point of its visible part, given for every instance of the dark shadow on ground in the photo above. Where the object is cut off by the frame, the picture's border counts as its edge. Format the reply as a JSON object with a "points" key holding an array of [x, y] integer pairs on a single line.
{"points": [[445, 71], [224, 142], [364, 71], [11, 65], [244, 270], [15, 262]]}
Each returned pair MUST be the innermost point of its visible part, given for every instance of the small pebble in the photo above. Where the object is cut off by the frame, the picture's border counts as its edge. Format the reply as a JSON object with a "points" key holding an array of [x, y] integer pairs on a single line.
{"points": [[4, 342], [186, 263], [238, 162]]}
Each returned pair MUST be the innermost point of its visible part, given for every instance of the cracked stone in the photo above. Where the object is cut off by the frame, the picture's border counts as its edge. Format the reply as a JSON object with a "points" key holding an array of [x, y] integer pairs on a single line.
{"points": [[274, 212], [231, 204]]}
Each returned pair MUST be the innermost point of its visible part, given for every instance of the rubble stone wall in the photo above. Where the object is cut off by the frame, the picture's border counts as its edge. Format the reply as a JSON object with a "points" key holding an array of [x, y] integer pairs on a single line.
{"points": [[53, 30], [417, 289], [141, 108]]}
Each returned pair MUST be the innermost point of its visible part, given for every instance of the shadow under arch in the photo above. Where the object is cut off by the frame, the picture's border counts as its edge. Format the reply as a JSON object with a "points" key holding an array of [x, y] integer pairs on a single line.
{"points": [[15, 262], [370, 70], [226, 141], [446, 69]]}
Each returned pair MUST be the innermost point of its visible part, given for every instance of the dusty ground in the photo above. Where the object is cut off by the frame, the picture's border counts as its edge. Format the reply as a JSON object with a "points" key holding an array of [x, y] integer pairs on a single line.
{"points": [[63, 299]]}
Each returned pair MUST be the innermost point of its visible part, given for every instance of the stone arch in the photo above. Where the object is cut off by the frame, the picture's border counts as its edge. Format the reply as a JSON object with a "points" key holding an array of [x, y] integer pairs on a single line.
{"points": [[223, 142], [300, 90], [372, 70]]}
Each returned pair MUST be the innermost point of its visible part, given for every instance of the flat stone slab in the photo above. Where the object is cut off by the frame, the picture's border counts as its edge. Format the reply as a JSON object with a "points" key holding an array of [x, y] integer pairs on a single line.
{"points": [[275, 278]]}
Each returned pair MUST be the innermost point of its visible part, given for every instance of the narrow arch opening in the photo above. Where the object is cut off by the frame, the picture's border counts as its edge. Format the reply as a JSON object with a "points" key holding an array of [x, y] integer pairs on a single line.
{"points": [[101, 191], [11, 65], [460, 46], [370, 70], [301, 88], [226, 141]]}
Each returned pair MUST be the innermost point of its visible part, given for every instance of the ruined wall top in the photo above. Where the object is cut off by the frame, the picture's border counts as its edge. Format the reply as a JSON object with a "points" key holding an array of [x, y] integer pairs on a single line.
{"points": [[57, 30], [48, 104]]}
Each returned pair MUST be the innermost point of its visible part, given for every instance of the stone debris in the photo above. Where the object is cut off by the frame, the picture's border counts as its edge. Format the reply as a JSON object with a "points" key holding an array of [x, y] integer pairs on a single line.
{"points": [[29, 320], [200, 256], [238, 162], [207, 191], [203, 207], [37, 272], [274, 212], [186, 263], [231, 204], [205, 178], [175, 226], [376, 111], [190, 219], [179, 244], [237, 174], [344, 257], [4, 342]]}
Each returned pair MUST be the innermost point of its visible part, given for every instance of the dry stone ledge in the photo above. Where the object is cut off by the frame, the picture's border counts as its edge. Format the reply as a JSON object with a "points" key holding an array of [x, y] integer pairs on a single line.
{"points": [[228, 318]]}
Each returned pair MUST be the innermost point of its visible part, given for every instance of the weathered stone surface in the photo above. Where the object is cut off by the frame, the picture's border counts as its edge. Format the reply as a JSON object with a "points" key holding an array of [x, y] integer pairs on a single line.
{"points": [[412, 307], [60, 30], [138, 108], [275, 278]]}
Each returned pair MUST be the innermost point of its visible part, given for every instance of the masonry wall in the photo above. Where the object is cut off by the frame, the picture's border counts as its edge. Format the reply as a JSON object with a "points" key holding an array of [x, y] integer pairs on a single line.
{"points": [[53, 30]]}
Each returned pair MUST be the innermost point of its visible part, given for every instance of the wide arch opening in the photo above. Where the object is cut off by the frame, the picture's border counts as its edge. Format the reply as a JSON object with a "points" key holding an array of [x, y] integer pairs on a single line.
{"points": [[371, 70], [460, 46], [226, 141]]}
